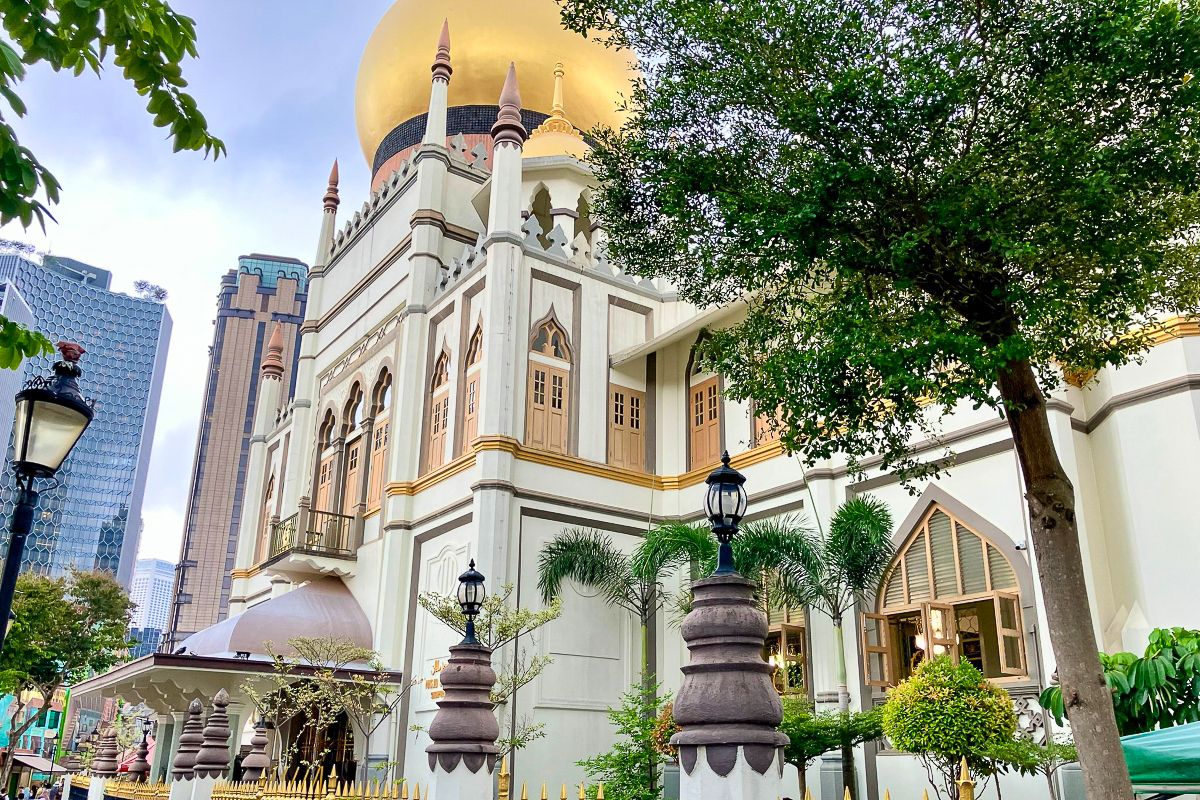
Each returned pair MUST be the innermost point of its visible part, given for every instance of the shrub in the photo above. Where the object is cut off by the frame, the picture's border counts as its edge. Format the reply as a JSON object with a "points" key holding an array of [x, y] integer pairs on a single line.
{"points": [[629, 770], [811, 734], [946, 712]]}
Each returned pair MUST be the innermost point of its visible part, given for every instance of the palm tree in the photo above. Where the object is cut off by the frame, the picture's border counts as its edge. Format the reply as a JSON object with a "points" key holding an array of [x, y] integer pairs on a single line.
{"points": [[633, 581], [830, 574]]}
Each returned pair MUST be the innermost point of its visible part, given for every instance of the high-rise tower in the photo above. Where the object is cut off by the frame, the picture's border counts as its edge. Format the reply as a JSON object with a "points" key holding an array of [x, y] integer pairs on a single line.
{"points": [[92, 518], [262, 292]]}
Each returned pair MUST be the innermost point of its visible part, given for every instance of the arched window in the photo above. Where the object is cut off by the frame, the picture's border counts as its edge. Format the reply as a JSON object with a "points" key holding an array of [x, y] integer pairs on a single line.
{"points": [[547, 400], [439, 412], [355, 455], [380, 434], [949, 591], [326, 468], [541, 212], [472, 397], [704, 416]]}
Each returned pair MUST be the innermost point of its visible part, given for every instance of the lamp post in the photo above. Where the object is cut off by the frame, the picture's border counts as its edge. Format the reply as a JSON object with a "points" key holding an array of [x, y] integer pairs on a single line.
{"points": [[725, 504], [471, 594], [51, 415]]}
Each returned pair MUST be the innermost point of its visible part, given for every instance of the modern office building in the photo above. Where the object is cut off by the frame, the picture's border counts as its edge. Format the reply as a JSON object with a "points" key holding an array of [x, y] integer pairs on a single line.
{"points": [[264, 291], [150, 590], [92, 518], [14, 307]]}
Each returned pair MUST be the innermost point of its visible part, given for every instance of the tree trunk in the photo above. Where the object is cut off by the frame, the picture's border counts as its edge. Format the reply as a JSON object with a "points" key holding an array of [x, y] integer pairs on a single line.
{"points": [[849, 774], [1051, 499], [802, 780]]}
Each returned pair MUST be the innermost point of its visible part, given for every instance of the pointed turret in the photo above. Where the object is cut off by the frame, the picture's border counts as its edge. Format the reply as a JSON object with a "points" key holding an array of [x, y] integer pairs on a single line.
{"points": [[435, 122], [508, 128], [272, 365], [441, 62], [331, 192]]}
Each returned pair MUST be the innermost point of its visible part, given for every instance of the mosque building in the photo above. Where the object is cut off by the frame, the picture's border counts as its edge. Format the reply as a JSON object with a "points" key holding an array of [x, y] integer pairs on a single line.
{"points": [[474, 377]]}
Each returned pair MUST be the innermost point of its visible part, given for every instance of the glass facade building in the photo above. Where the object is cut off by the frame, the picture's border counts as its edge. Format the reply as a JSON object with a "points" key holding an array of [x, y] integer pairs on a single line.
{"points": [[92, 518]]}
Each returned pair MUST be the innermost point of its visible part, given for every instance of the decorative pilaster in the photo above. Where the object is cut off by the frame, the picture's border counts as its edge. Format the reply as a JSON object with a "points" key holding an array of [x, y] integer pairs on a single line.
{"points": [[729, 748], [212, 760], [256, 764], [464, 731]]}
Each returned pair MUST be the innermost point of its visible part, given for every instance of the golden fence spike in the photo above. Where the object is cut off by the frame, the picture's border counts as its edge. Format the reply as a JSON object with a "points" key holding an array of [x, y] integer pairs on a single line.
{"points": [[925, 795], [563, 796], [582, 791], [600, 792], [544, 795], [417, 792], [808, 793], [404, 790], [524, 790], [887, 795], [847, 796]]}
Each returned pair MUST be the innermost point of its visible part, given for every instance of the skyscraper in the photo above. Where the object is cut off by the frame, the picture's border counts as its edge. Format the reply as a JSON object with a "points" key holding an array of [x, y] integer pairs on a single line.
{"points": [[262, 292], [14, 307], [150, 591], [92, 518]]}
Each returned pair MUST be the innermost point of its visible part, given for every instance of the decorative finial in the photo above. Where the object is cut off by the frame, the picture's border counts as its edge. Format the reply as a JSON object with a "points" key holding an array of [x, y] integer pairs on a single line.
{"points": [[557, 122], [508, 127], [331, 193], [441, 63], [559, 72], [70, 351], [272, 365], [725, 458], [212, 760]]}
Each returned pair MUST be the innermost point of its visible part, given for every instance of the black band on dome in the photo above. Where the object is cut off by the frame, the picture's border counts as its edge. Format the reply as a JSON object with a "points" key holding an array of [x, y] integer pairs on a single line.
{"points": [[460, 119]]}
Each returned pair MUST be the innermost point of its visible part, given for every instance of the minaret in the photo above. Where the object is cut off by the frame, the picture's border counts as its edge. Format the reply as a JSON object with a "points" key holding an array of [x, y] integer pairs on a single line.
{"points": [[270, 389], [303, 435], [504, 334], [435, 123]]}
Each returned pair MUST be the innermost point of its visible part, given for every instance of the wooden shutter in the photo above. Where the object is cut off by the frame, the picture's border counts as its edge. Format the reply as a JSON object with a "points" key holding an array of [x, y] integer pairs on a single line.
{"points": [[556, 413], [941, 633], [877, 650], [626, 442], [378, 449], [536, 405], [471, 417], [324, 484], [438, 424], [350, 494], [1009, 633], [704, 411]]}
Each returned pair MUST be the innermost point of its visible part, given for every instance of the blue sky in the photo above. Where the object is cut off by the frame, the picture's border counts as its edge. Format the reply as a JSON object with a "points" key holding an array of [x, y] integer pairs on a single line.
{"points": [[275, 79]]}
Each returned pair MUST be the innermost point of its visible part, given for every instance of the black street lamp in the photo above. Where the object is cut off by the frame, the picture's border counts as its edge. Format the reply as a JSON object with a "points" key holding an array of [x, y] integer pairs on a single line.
{"points": [[471, 594], [51, 415], [725, 505]]}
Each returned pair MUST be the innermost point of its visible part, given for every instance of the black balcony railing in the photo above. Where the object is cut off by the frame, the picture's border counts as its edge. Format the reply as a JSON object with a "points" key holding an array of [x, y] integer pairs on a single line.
{"points": [[324, 533]]}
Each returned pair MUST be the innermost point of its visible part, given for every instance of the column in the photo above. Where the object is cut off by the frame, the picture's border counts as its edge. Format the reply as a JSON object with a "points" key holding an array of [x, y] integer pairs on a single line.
{"points": [[464, 730]]}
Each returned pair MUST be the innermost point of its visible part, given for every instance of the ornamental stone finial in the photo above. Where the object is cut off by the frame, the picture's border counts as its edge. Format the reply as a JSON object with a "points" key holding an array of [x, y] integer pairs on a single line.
{"points": [[190, 740], [464, 731], [105, 763], [441, 62], [331, 199], [257, 762], [212, 760], [508, 127], [272, 365], [723, 740]]}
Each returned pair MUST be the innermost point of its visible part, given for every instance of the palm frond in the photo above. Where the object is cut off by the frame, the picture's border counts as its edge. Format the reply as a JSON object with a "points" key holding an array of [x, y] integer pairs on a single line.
{"points": [[589, 558], [860, 546], [672, 545], [791, 551]]}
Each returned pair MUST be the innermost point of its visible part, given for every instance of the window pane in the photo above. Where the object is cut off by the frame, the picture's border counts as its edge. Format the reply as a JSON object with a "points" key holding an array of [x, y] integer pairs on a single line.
{"points": [[918, 570], [635, 412], [970, 553], [894, 593], [1002, 574]]}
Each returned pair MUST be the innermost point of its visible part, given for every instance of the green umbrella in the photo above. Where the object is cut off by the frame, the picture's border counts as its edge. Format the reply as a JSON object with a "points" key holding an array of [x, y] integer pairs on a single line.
{"points": [[1166, 760]]}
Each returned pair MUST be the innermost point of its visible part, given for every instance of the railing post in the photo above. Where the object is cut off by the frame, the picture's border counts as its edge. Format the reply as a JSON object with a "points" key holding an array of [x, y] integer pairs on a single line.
{"points": [[302, 522]]}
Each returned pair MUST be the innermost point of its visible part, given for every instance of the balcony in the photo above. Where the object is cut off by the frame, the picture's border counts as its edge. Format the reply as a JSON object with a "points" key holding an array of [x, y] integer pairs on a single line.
{"points": [[312, 543]]}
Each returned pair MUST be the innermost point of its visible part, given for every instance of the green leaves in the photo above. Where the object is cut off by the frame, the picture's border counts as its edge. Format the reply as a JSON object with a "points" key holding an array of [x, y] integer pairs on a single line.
{"points": [[811, 734], [1160, 689], [629, 769], [18, 343], [148, 42]]}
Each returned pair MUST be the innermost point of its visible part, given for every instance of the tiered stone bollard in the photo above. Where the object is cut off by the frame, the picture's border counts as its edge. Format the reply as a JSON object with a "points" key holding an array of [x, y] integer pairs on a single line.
{"points": [[104, 765], [139, 769], [464, 730], [212, 760], [256, 763], [730, 747], [190, 739]]}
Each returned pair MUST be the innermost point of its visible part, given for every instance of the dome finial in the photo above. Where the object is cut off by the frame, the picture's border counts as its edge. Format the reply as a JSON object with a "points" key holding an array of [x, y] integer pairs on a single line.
{"points": [[557, 122], [557, 109], [508, 127], [441, 63], [331, 192]]}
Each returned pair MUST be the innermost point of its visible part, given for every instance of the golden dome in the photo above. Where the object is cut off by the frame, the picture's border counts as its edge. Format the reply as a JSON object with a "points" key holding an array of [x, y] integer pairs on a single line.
{"points": [[485, 35]]}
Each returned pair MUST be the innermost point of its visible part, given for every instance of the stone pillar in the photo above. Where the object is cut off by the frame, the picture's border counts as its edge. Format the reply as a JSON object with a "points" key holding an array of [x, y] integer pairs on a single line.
{"points": [[730, 747], [190, 740], [104, 766], [257, 763], [165, 742], [464, 730], [212, 760]]}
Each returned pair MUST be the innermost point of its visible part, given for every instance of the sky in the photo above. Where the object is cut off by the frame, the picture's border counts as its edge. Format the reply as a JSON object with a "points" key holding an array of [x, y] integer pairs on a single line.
{"points": [[275, 80]]}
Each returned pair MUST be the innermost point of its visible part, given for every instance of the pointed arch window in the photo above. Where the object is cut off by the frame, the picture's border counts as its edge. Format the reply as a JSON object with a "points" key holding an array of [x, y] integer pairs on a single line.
{"points": [[380, 434], [354, 451], [950, 591], [439, 413], [547, 400], [471, 392], [326, 466]]}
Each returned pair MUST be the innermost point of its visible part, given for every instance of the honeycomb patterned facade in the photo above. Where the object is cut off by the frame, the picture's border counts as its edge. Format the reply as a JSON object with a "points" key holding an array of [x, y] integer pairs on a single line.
{"points": [[92, 518]]}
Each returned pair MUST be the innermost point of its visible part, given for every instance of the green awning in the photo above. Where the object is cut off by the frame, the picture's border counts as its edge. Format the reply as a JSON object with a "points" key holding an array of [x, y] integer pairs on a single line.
{"points": [[1166, 760]]}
